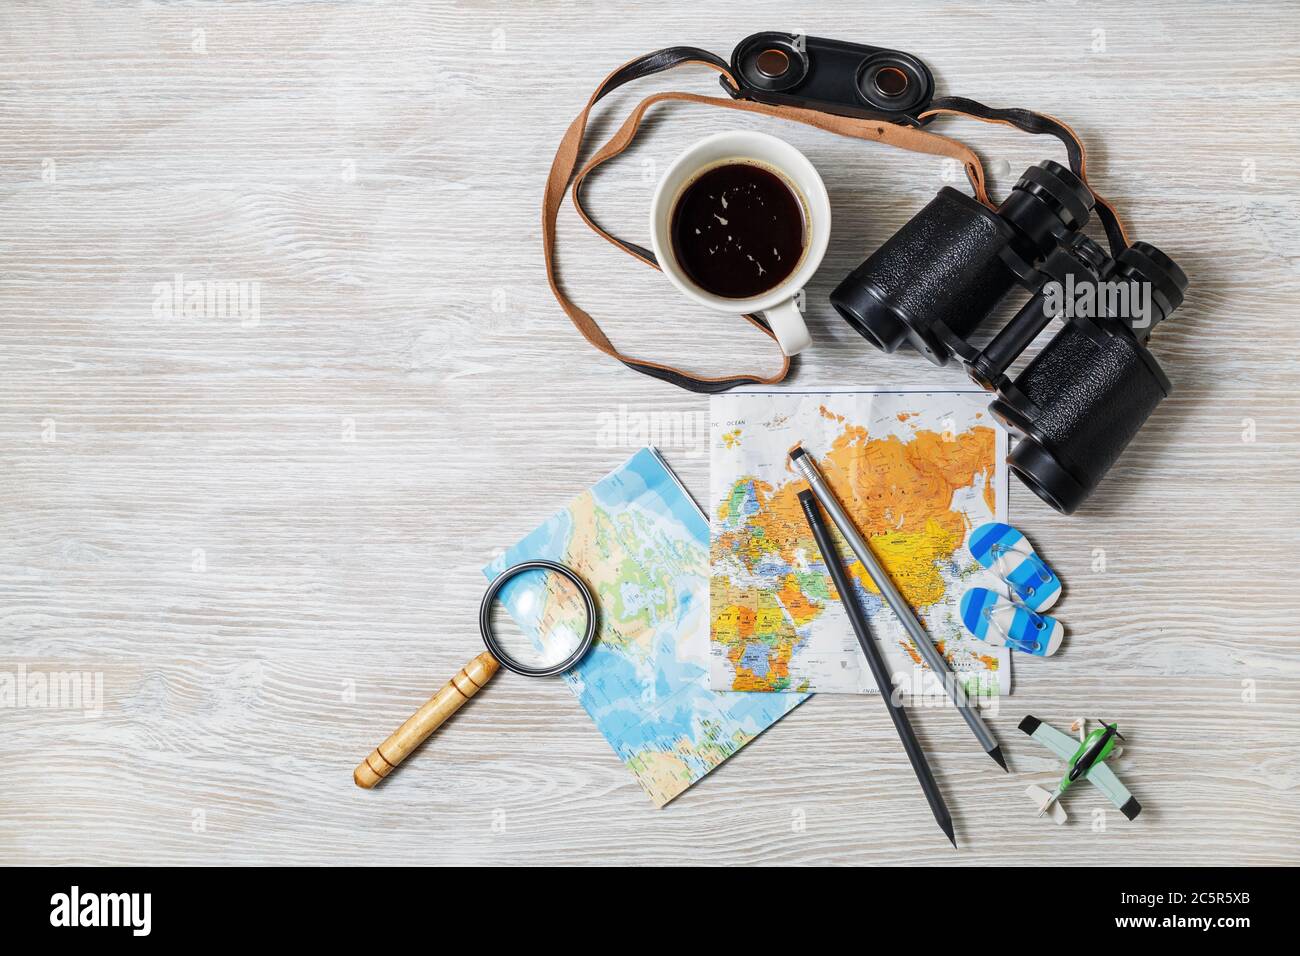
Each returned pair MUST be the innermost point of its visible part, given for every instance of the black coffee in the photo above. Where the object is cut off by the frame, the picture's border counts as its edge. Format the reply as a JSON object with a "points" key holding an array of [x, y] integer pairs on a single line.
{"points": [[738, 230]]}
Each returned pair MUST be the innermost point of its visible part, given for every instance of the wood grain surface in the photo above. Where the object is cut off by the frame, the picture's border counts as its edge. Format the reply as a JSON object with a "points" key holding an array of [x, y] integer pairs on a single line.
{"points": [[265, 535]]}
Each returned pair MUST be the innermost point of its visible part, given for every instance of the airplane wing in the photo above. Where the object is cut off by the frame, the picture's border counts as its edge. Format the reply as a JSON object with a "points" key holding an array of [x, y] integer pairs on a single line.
{"points": [[1104, 779], [1063, 745]]}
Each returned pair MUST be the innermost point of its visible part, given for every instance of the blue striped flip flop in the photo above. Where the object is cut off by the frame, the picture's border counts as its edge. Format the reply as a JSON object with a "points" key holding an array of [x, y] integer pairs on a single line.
{"points": [[1009, 555], [996, 620]]}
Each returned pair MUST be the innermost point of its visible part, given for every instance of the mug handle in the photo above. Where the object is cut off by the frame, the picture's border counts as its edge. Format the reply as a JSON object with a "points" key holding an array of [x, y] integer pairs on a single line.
{"points": [[787, 324]]}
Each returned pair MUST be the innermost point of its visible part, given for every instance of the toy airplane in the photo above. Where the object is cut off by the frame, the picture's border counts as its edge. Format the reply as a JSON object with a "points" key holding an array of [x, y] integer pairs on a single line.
{"points": [[1087, 761]]}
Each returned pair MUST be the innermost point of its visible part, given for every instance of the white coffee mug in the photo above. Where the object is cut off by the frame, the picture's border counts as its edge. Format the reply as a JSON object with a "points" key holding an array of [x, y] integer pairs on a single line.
{"points": [[778, 303]]}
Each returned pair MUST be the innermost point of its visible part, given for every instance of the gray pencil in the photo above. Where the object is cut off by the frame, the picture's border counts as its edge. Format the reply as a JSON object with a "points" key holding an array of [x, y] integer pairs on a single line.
{"points": [[804, 463], [876, 661]]}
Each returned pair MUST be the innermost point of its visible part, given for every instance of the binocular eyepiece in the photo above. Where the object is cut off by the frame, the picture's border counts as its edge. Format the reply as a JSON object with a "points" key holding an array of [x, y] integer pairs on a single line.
{"points": [[1085, 395]]}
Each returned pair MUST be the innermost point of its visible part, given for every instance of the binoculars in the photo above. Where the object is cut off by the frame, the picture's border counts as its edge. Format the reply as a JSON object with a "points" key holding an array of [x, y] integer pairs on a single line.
{"points": [[1080, 401]]}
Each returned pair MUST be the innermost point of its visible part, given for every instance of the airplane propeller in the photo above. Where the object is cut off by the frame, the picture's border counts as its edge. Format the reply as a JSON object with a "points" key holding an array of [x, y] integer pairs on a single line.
{"points": [[1116, 726]]}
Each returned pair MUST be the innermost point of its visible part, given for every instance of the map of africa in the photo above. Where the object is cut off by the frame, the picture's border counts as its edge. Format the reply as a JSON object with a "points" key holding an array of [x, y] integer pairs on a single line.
{"points": [[641, 545], [915, 470]]}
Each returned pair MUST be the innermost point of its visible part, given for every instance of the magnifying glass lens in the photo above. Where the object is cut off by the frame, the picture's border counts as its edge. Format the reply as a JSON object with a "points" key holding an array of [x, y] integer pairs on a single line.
{"points": [[538, 620]]}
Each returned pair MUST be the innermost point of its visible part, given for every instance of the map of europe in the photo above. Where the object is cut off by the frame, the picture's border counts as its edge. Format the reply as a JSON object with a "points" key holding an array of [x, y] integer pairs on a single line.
{"points": [[915, 470]]}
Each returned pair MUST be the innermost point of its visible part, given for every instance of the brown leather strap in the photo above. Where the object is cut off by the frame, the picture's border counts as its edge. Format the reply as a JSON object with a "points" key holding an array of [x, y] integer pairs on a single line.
{"points": [[566, 159]]}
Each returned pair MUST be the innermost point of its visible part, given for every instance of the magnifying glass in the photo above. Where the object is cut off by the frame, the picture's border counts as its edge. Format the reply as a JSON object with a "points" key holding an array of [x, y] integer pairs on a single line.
{"points": [[557, 625]]}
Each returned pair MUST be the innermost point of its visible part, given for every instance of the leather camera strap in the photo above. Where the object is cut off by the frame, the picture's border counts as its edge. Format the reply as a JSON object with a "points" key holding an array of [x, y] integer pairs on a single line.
{"points": [[905, 137]]}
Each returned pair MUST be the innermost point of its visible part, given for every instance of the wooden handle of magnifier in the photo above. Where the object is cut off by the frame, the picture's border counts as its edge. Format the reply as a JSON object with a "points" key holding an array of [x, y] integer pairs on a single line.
{"points": [[384, 759]]}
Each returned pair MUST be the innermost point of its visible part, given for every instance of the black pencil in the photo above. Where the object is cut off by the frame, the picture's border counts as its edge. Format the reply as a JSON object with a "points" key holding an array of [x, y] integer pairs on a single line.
{"points": [[830, 557]]}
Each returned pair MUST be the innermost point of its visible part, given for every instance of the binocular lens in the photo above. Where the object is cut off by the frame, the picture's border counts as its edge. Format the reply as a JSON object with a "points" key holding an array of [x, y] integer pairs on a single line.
{"points": [[890, 81], [772, 63], [1045, 476]]}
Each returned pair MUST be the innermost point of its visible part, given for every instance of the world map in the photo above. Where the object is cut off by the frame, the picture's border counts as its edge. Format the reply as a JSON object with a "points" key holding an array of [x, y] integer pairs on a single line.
{"points": [[915, 471], [641, 545]]}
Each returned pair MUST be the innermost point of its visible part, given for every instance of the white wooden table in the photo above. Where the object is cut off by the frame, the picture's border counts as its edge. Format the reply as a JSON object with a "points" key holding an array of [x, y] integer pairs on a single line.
{"points": [[266, 535]]}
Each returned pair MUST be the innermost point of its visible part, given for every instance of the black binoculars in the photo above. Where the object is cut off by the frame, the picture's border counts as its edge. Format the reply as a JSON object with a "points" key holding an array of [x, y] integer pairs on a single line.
{"points": [[1080, 401]]}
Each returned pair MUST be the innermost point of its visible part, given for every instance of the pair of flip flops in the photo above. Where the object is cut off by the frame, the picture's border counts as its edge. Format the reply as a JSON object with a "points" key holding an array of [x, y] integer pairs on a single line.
{"points": [[1015, 618]]}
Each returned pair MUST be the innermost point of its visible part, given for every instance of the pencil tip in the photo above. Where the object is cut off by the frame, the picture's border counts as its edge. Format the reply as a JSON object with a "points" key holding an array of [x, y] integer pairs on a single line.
{"points": [[996, 754], [947, 829]]}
